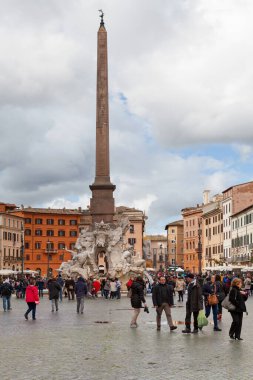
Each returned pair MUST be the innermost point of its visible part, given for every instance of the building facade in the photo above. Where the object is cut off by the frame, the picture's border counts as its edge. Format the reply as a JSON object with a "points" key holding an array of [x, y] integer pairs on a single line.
{"points": [[235, 199], [242, 237], [175, 243], [212, 241], [11, 238], [192, 218], [48, 235], [156, 252]]}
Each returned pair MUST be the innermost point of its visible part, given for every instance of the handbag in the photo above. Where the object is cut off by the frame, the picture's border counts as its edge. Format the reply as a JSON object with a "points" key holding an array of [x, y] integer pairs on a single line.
{"points": [[212, 299], [227, 304]]}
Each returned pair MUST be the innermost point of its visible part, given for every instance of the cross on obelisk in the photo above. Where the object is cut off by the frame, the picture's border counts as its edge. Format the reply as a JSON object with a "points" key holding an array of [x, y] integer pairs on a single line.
{"points": [[102, 201]]}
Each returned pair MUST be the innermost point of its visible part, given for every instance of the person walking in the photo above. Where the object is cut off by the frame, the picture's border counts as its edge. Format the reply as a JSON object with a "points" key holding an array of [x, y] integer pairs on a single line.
{"points": [[81, 291], [6, 292], [118, 288], [61, 283], [137, 298], [54, 291], [70, 286], [40, 284], [194, 303], [180, 288], [237, 297], [247, 284], [163, 300], [107, 288], [32, 298], [211, 287]]}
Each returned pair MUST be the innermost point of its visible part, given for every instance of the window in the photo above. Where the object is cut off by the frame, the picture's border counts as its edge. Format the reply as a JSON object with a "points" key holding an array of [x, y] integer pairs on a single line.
{"points": [[61, 257], [50, 246], [38, 232], [73, 222], [61, 233], [50, 233], [27, 232], [72, 246], [61, 246], [73, 233], [50, 257], [27, 257], [28, 220], [50, 221], [38, 221], [38, 257], [27, 245], [172, 231], [131, 229], [131, 241], [61, 222], [38, 245]]}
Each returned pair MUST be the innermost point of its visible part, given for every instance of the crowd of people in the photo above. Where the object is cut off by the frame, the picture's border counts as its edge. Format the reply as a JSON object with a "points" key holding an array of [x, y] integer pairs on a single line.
{"points": [[206, 292]]}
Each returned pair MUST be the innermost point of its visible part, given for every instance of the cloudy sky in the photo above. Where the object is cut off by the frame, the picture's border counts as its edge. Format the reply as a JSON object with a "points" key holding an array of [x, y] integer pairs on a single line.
{"points": [[181, 94]]}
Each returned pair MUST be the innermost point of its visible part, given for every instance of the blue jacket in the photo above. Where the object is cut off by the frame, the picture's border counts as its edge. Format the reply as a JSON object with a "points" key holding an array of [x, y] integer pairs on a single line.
{"points": [[80, 288]]}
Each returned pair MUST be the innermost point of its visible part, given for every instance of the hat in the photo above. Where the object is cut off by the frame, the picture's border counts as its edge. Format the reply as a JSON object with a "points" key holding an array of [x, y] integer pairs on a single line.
{"points": [[189, 275]]}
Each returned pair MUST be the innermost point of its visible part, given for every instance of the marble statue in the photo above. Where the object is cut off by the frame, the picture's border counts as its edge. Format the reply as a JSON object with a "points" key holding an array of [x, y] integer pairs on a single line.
{"points": [[109, 240]]}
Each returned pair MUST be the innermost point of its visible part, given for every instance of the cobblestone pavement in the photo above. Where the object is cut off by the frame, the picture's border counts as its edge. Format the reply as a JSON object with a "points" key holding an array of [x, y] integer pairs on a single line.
{"points": [[100, 345]]}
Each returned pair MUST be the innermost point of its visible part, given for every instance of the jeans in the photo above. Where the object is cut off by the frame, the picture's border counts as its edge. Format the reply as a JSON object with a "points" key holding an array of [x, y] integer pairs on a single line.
{"points": [[6, 302], [54, 302], [41, 293], [71, 293], [80, 304], [118, 293], [60, 295], [159, 310], [215, 313], [106, 293], [32, 308]]}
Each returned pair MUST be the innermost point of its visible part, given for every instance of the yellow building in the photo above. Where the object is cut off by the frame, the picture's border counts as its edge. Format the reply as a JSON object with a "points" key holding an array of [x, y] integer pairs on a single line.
{"points": [[156, 252], [212, 242], [175, 243]]}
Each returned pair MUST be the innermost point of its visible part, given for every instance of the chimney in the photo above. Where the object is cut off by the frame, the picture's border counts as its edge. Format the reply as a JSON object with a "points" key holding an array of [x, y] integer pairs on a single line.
{"points": [[206, 197]]}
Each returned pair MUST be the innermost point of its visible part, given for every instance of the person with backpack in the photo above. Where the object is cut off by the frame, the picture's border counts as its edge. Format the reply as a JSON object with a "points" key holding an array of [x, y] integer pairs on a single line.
{"points": [[6, 291]]}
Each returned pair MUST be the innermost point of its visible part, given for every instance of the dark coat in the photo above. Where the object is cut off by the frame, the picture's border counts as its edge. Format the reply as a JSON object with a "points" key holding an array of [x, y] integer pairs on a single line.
{"points": [[54, 289], [157, 294], [237, 299], [137, 294], [195, 300], [81, 288]]}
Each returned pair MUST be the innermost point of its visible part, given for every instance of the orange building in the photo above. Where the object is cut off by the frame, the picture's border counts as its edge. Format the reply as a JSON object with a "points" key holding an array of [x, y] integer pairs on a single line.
{"points": [[48, 234], [192, 217]]}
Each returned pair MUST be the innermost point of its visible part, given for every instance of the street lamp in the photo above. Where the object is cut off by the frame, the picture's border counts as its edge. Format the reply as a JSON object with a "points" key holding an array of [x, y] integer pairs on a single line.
{"points": [[199, 245], [22, 249], [48, 254]]}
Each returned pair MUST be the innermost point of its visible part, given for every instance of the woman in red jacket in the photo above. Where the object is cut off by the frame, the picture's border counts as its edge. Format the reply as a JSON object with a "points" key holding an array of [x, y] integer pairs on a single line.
{"points": [[32, 298]]}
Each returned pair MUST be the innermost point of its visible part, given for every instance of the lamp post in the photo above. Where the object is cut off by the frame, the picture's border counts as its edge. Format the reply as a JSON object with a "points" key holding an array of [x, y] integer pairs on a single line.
{"points": [[48, 254], [161, 256], [199, 245], [22, 249]]}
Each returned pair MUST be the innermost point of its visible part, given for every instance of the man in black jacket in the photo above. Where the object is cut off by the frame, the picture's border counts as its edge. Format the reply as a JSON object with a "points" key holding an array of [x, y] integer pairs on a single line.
{"points": [[163, 299], [194, 303]]}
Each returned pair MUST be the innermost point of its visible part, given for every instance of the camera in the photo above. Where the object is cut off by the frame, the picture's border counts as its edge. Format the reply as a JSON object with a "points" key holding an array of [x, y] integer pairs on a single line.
{"points": [[146, 309]]}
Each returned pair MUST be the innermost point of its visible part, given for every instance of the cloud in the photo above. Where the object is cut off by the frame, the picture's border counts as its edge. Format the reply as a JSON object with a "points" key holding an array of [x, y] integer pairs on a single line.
{"points": [[180, 79]]}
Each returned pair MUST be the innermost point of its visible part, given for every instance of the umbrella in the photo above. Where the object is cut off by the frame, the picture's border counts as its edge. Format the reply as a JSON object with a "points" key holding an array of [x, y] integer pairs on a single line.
{"points": [[179, 270], [6, 272]]}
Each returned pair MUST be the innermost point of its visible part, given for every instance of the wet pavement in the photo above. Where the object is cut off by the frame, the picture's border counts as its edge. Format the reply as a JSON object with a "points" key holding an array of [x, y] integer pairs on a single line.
{"points": [[100, 345]]}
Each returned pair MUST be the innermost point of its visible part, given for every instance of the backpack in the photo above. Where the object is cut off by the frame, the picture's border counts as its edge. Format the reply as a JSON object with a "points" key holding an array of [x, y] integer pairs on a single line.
{"points": [[6, 290]]}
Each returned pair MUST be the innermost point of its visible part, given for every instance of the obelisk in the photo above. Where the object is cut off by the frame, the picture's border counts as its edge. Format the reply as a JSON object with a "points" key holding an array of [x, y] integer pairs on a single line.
{"points": [[102, 201]]}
